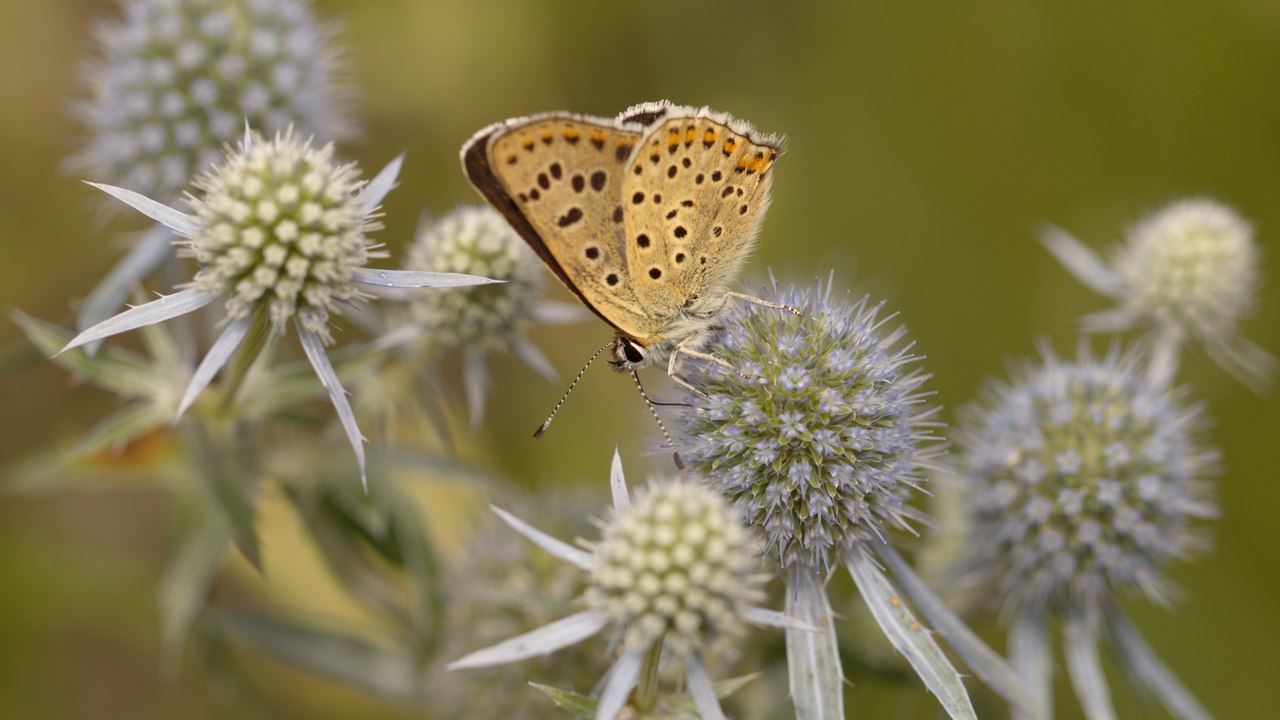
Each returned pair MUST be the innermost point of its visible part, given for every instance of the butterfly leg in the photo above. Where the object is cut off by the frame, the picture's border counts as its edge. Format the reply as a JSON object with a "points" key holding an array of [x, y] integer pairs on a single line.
{"points": [[682, 348], [764, 303], [685, 384]]}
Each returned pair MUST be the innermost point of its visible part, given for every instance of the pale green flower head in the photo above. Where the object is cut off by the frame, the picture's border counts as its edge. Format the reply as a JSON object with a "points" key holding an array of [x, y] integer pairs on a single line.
{"points": [[676, 564], [279, 232], [1192, 264], [179, 78], [673, 574], [1187, 272], [281, 226], [477, 241]]}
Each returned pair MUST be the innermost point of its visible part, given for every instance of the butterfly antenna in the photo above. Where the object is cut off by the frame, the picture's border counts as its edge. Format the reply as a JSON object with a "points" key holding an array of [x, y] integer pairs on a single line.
{"points": [[675, 455], [547, 423]]}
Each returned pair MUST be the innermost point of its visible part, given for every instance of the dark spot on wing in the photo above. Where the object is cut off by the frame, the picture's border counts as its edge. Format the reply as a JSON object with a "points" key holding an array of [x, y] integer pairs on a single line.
{"points": [[571, 217], [597, 180]]}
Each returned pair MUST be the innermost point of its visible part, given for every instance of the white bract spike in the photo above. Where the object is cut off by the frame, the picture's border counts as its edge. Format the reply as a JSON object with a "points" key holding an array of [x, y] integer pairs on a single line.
{"points": [[622, 680], [372, 195], [542, 641], [164, 308], [223, 348], [533, 357], [910, 637], [147, 253], [557, 548], [1082, 262], [1031, 653], [1080, 645], [313, 346], [618, 484], [985, 663], [702, 690], [813, 658], [180, 222], [773, 618], [1146, 667], [417, 278]]}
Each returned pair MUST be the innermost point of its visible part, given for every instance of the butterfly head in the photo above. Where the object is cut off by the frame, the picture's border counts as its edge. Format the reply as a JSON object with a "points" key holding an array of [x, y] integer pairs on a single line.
{"points": [[629, 354]]}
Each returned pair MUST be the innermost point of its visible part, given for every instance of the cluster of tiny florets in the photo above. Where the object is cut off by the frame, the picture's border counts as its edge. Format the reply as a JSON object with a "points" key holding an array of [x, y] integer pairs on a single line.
{"points": [[677, 565], [1193, 266], [817, 432], [1083, 478], [281, 226], [180, 78], [476, 241]]}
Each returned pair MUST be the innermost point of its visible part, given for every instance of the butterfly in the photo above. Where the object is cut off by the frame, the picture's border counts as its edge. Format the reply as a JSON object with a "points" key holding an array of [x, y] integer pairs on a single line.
{"points": [[647, 218]]}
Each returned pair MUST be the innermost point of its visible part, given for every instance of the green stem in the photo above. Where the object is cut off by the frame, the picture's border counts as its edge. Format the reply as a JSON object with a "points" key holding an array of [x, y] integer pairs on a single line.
{"points": [[253, 346], [226, 467], [647, 689]]}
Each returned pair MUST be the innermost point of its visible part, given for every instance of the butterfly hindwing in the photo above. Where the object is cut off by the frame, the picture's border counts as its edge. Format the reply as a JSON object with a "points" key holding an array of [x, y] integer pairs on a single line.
{"points": [[558, 180], [696, 190]]}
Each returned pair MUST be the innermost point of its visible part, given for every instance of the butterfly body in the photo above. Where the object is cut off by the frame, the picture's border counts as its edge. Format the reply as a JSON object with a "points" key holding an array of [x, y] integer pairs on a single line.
{"points": [[647, 217]]}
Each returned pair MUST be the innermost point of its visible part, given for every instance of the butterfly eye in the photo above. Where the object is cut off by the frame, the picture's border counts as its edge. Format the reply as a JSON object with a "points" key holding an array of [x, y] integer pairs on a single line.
{"points": [[633, 351]]}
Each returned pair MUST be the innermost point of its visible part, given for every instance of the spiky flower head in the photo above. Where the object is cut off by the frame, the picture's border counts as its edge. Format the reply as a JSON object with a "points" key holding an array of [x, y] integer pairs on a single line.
{"points": [[1084, 479], [1187, 272], [281, 226], [817, 433], [676, 564], [1192, 264], [477, 241], [179, 78]]}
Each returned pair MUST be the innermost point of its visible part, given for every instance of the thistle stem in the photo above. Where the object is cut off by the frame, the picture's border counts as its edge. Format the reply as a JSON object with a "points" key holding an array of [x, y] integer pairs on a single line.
{"points": [[254, 343], [647, 689]]}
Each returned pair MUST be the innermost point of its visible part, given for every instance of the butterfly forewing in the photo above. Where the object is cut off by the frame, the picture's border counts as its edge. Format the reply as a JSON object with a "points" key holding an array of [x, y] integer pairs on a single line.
{"points": [[695, 192], [558, 180]]}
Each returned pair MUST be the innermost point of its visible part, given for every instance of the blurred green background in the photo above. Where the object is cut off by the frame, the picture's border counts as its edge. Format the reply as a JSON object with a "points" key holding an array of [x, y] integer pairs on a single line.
{"points": [[926, 142]]}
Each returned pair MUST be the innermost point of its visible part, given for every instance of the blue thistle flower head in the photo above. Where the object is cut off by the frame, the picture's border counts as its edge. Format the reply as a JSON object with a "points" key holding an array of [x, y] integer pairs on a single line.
{"points": [[178, 79], [1085, 478], [818, 433]]}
